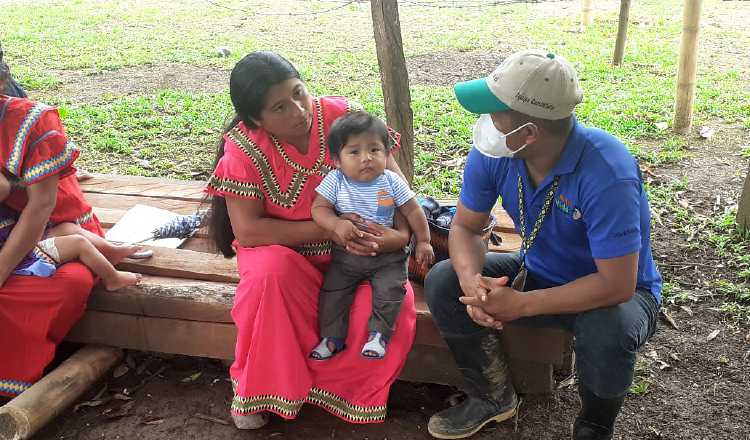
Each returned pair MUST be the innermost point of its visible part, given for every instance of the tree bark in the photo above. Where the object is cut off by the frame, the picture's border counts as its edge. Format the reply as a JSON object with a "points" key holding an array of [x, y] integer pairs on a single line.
{"points": [[586, 13], [394, 79], [622, 32], [683, 110]]}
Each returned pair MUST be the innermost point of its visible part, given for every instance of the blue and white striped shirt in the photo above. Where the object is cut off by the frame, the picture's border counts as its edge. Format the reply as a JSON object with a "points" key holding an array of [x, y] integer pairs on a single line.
{"points": [[375, 200]]}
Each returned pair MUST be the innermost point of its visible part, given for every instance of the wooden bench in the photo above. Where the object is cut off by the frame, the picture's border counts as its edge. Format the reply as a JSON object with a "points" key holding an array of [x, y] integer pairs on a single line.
{"points": [[183, 304]]}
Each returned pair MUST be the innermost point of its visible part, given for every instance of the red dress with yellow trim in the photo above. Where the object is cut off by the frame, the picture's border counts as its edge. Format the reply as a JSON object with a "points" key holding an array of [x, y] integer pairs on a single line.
{"points": [[275, 306], [36, 313]]}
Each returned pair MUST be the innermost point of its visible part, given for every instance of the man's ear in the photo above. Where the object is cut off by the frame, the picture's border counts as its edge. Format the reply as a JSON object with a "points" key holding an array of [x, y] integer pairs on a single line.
{"points": [[530, 133]]}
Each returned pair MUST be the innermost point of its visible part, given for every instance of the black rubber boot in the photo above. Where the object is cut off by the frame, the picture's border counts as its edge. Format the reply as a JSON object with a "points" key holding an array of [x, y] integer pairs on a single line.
{"points": [[596, 420], [490, 393]]}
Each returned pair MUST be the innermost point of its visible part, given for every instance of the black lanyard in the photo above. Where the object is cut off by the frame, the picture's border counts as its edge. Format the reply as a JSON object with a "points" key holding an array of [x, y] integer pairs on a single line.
{"points": [[526, 243]]}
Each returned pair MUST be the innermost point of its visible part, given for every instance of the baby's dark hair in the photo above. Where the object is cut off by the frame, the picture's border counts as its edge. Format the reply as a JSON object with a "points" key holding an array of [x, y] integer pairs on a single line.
{"points": [[356, 123]]}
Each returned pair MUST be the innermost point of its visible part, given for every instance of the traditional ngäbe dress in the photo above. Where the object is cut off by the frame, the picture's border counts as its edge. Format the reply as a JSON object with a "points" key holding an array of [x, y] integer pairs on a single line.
{"points": [[36, 313], [275, 306]]}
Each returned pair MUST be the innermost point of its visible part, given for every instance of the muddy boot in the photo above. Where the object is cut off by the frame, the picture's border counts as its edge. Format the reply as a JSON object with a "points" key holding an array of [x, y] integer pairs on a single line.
{"points": [[596, 420], [490, 393]]}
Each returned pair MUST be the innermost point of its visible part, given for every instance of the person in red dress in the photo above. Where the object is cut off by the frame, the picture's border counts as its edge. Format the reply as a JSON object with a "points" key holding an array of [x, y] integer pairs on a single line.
{"points": [[270, 160], [36, 313]]}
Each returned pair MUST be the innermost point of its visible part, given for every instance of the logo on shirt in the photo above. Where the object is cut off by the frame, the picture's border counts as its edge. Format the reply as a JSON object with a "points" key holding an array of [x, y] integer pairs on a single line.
{"points": [[386, 204], [568, 207]]}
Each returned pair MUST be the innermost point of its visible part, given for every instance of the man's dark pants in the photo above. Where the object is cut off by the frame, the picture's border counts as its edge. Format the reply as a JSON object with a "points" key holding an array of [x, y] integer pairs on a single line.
{"points": [[606, 339]]}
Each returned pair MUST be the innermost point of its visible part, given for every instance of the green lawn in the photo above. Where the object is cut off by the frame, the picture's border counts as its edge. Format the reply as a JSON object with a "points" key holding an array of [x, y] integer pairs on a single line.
{"points": [[174, 130]]}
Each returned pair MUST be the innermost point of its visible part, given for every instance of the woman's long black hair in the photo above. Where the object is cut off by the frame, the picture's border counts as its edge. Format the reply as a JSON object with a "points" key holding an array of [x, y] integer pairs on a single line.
{"points": [[249, 82]]}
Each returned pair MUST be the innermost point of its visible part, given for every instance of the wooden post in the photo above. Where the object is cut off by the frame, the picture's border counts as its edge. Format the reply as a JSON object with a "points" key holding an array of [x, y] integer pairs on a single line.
{"points": [[683, 108], [394, 79], [622, 32], [743, 211], [586, 8], [31, 410]]}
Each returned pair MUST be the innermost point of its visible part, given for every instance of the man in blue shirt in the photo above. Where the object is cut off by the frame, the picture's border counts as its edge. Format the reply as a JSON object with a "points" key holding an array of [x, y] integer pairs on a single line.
{"points": [[576, 197]]}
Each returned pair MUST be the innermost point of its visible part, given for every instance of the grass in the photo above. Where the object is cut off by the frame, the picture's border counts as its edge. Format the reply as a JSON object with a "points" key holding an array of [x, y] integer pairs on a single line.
{"points": [[173, 132]]}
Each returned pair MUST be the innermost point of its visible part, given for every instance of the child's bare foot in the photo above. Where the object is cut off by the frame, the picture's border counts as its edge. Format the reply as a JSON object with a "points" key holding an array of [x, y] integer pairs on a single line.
{"points": [[122, 279], [118, 252]]}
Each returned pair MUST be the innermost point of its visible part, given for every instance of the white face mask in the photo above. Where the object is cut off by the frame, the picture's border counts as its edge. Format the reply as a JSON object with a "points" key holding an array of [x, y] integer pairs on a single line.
{"points": [[490, 141]]}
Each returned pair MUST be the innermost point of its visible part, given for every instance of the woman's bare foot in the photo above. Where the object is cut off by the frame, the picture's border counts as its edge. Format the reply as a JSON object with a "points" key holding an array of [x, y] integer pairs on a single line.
{"points": [[115, 253], [122, 279]]}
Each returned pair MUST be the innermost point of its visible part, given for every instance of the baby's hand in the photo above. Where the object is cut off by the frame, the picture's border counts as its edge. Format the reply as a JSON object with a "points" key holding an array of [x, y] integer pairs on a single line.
{"points": [[425, 254], [345, 231]]}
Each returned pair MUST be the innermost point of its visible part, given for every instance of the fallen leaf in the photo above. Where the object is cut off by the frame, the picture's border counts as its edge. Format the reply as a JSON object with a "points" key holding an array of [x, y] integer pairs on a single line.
{"points": [[674, 357], [123, 411], [119, 396], [713, 335], [746, 356], [652, 355], [723, 359], [130, 360], [120, 371], [706, 132], [192, 377], [210, 418], [154, 422], [569, 382], [669, 319], [662, 125], [663, 365], [90, 403], [687, 310]]}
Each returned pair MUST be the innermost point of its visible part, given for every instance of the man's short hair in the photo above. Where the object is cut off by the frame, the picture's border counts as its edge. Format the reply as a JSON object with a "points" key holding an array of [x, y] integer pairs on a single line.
{"points": [[556, 127]]}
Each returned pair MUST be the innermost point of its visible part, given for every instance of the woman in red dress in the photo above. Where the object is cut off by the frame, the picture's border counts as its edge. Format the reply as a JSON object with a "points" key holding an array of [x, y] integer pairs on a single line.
{"points": [[270, 161], [35, 312]]}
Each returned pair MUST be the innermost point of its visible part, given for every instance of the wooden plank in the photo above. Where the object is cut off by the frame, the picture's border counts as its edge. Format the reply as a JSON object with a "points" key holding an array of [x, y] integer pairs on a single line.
{"points": [[162, 297], [532, 377], [503, 221], [510, 243], [183, 263], [163, 335], [187, 190], [110, 201]]}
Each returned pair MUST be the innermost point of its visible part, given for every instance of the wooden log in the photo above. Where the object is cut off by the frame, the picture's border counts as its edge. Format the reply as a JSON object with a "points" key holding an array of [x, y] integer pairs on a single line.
{"points": [[622, 32], [182, 263], [743, 211], [685, 96], [35, 407], [394, 79], [162, 297], [586, 13]]}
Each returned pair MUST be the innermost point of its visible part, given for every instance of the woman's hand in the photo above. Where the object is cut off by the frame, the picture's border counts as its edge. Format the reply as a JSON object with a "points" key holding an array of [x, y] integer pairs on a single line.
{"points": [[376, 238]]}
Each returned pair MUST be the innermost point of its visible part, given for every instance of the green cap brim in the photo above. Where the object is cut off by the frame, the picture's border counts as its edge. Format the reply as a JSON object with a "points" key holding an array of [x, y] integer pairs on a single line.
{"points": [[476, 97]]}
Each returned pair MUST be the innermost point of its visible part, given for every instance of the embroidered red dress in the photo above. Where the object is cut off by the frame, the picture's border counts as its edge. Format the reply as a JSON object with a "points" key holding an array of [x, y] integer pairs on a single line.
{"points": [[275, 307], [36, 313]]}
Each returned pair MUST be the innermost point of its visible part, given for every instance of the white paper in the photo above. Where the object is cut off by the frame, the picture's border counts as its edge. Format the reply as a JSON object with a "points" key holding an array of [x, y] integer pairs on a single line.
{"points": [[138, 224]]}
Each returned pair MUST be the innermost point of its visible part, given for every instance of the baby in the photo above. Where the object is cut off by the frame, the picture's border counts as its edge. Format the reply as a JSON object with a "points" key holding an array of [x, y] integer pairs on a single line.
{"points": [[67, 242], [361, 184]]}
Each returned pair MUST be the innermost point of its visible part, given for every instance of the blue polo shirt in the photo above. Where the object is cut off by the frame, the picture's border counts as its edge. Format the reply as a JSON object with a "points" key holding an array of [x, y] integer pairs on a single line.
{"points": [[600, 209]]}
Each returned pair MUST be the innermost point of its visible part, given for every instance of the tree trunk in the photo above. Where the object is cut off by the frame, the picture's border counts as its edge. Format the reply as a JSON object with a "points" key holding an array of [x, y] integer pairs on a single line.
{"points": [[683, 109], [743, 212], [394, 79], [586, 13], [622, 32]]}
